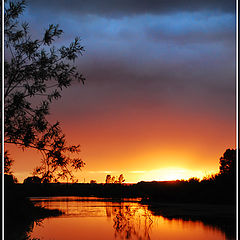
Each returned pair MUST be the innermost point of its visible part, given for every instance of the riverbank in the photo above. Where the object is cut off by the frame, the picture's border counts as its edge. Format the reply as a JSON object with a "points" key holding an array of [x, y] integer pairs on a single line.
{"points": [[211, 202], [21, 214], [192, 210], [20, 218], [221, 216]]}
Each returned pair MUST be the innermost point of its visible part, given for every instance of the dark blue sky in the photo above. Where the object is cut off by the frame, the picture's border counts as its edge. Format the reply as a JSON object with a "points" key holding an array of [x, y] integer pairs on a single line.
{"points": [[149, 46]]}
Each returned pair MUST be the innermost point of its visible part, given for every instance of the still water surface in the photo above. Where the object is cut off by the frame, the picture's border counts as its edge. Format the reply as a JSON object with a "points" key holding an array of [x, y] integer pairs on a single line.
{"points": [[99, 219]]}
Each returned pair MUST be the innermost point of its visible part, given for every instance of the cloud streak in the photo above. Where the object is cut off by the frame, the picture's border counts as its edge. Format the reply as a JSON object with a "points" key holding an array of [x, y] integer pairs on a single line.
{"points": [[117, 8]]}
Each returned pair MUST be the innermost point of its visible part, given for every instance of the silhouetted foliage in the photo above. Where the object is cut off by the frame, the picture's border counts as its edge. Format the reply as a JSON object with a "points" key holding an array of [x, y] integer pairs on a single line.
{"points": [[9, 179], [210, 178], [32, 180], [108, 179], [121, 179], [193, 180], [113, 179], [35, 75], [228, 163], [8, 162], [93, 182]]}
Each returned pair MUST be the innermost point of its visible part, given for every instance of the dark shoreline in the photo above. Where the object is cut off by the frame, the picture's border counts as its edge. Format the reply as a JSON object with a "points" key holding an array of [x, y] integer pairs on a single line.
{"points": [[211, 202], [21, 215], [220, 216]]}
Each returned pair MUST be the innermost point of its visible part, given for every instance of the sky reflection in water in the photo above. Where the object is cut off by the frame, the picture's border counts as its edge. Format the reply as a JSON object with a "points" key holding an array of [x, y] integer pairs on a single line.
{"points": [[115, 220]]}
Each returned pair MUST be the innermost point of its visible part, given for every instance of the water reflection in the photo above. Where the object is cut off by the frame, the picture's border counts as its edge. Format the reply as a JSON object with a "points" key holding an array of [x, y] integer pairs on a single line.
{"points": [[131, 222], [103, 219]]}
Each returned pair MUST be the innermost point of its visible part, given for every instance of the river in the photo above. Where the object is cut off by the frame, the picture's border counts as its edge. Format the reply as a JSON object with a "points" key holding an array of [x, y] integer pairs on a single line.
{"points": [[101, 219]]}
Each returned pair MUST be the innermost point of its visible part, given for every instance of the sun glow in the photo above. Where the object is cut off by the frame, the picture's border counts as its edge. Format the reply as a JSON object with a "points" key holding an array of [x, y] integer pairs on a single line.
{"points": [[172, 173], [160, 174]]}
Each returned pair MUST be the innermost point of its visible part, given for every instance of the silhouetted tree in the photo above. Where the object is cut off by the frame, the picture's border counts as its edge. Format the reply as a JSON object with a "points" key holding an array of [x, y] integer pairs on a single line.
{"points": [[113, 180], [93, 181], [31, 180], [8, 162], [121, 179], [228, 163], [35, 74], [193, 180], [9, 179], [108, 179], [209, 178]]}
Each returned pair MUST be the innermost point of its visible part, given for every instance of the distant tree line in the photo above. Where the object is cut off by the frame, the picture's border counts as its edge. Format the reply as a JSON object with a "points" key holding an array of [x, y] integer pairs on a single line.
{"points": [[218, 188], [113, 179]]}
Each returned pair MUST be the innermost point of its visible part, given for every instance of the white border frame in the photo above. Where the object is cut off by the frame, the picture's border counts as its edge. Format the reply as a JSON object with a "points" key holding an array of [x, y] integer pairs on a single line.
{"points": [[2, 122], [2, 113]]}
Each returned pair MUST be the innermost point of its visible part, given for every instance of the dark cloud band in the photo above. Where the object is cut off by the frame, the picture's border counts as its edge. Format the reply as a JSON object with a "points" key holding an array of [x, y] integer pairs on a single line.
{"points": [[119, 8]]}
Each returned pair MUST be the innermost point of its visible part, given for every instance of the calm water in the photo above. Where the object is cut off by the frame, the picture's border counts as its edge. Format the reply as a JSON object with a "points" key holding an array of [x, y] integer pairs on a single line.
{"points": [[96, 219]]}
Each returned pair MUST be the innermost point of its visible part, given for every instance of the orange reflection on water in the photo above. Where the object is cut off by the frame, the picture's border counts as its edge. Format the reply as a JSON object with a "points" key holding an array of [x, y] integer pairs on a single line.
{"points": [[90, 220]]}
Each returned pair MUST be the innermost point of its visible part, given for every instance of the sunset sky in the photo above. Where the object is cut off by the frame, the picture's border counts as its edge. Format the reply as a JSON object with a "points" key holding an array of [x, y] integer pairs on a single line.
{"points": [[159, 98]]}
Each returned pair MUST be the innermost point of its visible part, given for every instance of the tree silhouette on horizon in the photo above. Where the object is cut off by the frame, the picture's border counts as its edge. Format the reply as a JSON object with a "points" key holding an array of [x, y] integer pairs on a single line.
{"points": [[228, 163]]}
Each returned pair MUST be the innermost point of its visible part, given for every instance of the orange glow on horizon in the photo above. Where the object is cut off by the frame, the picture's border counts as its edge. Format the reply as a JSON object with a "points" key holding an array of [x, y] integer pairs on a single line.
{"points": [[171, 174], [163, 174], [143, 146]]}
